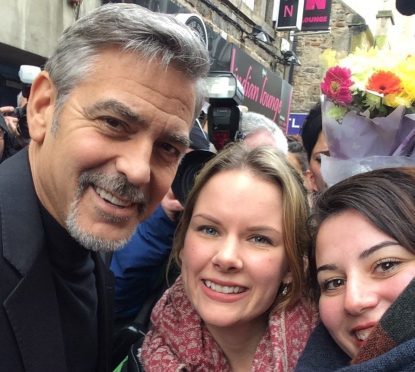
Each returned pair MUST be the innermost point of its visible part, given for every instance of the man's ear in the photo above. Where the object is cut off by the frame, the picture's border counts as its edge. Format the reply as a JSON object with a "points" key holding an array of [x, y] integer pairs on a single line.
{"points": [[311, 180], [41, 106]]}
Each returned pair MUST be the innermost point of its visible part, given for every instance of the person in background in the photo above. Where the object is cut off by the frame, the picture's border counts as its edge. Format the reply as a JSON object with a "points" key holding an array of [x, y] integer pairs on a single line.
{"points": [[315, 145], [2, 140], [238, 304], [139, 266], [15, 117], [109, 119], [362, 269], [258, 130], [8, 144], [9, 126], [10, 120], [297, 157], [21, 130], [3, 135]]}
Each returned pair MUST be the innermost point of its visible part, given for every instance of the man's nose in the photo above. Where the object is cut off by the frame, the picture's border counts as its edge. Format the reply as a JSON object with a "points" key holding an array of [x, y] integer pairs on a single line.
{"points": [[228, 255], [134, 161]]}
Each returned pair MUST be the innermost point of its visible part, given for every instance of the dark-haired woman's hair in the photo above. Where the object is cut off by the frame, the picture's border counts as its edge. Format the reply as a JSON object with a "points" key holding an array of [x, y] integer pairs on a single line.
{"points": [[311, 129], [386, 197], [296, 148]]}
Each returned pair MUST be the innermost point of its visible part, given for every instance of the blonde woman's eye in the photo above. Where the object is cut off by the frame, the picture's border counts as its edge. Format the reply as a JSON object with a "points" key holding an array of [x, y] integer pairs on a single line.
{"points": [[260, 239], [208, 230]]}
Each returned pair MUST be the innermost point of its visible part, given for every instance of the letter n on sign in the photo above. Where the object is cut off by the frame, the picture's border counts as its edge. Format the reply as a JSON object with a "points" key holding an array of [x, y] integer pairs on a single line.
{"points": [[288, 14]]}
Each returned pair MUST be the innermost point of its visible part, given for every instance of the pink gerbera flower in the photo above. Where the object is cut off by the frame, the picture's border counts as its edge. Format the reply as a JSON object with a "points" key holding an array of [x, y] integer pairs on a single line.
{"points": [[336, 85]]}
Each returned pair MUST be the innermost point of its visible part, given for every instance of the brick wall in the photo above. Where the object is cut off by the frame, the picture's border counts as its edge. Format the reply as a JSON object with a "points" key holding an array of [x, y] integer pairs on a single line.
{"points": [[347, 32], [222, 18]]}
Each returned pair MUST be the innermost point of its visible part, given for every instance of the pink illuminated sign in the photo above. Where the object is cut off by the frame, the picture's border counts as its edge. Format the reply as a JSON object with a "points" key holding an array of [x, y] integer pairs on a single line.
{"points": [[316, 15]]}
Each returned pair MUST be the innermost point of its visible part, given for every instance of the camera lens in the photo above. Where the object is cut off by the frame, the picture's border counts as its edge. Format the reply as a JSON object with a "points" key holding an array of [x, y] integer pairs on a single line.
{"points": [[190, 165]]}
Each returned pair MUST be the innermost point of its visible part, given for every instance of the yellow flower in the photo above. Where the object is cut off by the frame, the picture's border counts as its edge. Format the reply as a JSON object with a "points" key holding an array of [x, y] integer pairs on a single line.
{"points": [[395, 100], [391, 100], [381, 80], [361, 65], [329, 58], [405, 69], [409, 89]]}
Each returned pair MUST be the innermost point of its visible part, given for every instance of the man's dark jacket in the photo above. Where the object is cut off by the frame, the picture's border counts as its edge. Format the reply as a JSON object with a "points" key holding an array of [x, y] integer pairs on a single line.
{"points": [[30, 331]]}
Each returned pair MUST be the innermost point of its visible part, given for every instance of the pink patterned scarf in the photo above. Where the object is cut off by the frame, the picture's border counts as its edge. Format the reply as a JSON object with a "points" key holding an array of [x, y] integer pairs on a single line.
{"points": [[179, 341]]}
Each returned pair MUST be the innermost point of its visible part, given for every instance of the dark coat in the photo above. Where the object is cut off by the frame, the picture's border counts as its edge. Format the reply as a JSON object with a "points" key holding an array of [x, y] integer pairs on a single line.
{"points": [[30, 330], [141, 262], [389, 348]]}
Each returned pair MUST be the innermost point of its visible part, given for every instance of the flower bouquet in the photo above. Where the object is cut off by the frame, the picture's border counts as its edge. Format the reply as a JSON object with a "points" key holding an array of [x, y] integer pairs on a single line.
{"points": [[368, 113]]}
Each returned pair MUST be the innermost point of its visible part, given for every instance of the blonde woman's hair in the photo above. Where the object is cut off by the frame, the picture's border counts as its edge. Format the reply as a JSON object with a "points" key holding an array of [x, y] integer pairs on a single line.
{"points": [[270, 165]]}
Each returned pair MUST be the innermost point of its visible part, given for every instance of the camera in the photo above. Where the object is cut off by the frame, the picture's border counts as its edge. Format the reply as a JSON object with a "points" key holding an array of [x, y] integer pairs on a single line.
{"points": [[19, 112], [189, 167], [27, 74], [22, 127], [225, 95]]}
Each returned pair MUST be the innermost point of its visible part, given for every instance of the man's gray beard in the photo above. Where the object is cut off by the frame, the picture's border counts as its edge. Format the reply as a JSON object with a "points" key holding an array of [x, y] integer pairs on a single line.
{"points": [[88, 240], [120, 185]]}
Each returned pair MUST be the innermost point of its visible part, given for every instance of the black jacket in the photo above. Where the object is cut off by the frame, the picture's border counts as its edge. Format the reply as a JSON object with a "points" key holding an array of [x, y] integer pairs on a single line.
{"points": [[30, 331]]}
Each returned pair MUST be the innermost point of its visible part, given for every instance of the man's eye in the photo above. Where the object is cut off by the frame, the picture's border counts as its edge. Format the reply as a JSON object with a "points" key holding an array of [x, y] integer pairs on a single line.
{"points": [[171, 150], [113, 122]]}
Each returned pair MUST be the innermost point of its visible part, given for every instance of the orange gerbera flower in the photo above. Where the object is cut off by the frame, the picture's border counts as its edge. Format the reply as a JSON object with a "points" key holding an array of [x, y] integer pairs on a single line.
{"points": [[384, 82]]}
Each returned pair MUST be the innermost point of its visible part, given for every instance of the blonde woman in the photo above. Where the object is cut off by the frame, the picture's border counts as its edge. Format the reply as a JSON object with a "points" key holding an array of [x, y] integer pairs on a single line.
{"points": [[238, 304]]}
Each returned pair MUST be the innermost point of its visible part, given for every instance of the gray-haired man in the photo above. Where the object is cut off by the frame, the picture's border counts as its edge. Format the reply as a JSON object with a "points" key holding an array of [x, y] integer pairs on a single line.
{"points": [[109, 119]]}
